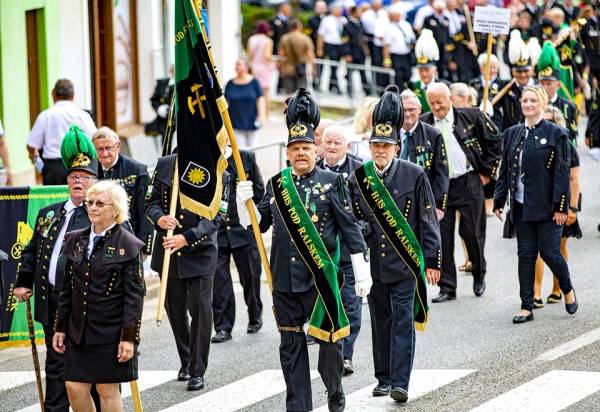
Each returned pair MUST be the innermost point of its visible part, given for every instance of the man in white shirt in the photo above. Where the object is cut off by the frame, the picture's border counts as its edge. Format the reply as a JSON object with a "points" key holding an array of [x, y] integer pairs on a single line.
{"points": [[397, 41], [373, 21], [5, 180], [51, 126], [329, 43]]}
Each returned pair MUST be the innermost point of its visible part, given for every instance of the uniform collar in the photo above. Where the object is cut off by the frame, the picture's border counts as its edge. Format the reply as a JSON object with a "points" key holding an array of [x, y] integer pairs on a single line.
{"points": [[110, 169], [339, 164], [305, 176], [106, 231], [554, 98], [69, 206], [411, 130], [536, 125]]}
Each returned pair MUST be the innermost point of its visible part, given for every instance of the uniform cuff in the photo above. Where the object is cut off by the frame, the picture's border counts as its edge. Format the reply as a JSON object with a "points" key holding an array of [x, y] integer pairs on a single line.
{"points": [[24, 280], [60, 325], [562, 205], [130, 334]]}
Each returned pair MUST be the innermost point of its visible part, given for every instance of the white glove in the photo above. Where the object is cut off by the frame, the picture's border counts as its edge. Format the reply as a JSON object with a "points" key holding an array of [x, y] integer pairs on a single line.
{"points": [[489, 109], [163, 110], [587, 91], [362, 275], [243, 193]]}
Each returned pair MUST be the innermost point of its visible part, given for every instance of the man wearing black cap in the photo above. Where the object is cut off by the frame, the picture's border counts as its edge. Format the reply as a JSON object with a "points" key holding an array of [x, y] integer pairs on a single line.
{"points": [[308, 208], [394, 201], [42, 263]]}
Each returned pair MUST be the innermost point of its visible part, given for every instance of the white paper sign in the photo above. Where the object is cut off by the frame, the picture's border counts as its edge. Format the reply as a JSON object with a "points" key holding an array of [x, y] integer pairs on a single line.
{"points": [[491, 19]]}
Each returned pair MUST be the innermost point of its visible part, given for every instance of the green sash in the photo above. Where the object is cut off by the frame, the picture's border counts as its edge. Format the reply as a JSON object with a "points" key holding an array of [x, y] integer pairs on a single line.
{"points": [[328, 321], [397, 229]]}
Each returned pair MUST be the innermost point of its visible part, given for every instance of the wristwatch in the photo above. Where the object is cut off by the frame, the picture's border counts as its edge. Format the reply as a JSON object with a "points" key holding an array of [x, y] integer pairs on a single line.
{"points": [[574, 209]]}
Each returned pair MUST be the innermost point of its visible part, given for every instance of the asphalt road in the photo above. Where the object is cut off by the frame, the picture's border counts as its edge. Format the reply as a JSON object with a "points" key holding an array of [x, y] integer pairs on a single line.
{"points": [[471, 355]]}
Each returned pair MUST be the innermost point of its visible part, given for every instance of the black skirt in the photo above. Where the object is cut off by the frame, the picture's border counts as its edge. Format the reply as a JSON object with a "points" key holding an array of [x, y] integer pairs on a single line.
{"points": [[572, 230], [98, 364]]}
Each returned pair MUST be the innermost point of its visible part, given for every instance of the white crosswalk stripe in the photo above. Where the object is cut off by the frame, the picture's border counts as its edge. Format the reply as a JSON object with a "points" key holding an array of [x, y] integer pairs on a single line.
{"points": [[146, 380], [422, 381], [239, 394], [553, 391], [9, 380]]}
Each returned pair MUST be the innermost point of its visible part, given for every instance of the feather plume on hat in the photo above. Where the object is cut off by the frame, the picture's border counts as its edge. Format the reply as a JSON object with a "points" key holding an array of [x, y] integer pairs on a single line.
{"points": [[533, 45], [426, 49], [548, 63], [517, 50], [78, 152]]}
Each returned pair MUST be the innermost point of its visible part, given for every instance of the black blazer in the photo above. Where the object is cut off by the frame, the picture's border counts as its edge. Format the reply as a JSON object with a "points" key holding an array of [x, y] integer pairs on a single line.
{"points": [[102, 298], [35, 259], [570, 112], [478, 137], [327, 190], [426, 148], [408, 185], [199, 257], [545, 165], [231, 233]]}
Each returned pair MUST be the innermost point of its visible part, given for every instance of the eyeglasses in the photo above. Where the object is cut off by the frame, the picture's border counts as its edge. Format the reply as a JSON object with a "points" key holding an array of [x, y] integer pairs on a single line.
{"points": [[98, 203], [106, 148], [77, 178]]}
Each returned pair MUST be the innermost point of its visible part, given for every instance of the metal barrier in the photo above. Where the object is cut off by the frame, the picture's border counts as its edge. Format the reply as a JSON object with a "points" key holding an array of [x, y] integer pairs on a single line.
{"points": [[280, 143]]}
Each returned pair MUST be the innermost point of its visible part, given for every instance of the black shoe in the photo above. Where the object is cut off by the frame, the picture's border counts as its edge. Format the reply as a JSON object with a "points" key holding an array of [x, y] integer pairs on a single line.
{"points": [[221, 336], [382, 390], [336, 402], [478, 287], [348, 367], [184, 374], [254, 326], [444, 297], [538, 303], [399, 395], [523, 319], [572, 307], [554, 298], [196, 383]]}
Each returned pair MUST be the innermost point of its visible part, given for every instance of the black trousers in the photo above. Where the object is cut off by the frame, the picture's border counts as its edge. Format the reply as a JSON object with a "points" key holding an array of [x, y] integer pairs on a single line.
{"points": [[465, 195], [193, 295], [333, 53], [294, 309], [247, 262], [380, 80], [543, 237], [402, 65], [56, 399], [393, 331], [54, 172], [353, 308]]}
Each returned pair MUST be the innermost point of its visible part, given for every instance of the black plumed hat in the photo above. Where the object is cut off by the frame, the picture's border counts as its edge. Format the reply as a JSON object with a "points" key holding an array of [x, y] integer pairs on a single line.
{"points": [[388, 117], [302, 116]]}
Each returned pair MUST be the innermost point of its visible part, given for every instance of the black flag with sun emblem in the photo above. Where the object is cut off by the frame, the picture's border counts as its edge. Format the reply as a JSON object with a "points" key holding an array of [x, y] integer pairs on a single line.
{"points": [[199, 102]]}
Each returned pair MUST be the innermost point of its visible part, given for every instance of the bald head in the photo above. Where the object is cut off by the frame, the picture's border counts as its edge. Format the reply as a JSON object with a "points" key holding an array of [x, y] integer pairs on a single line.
{"points": [[438, 97]]}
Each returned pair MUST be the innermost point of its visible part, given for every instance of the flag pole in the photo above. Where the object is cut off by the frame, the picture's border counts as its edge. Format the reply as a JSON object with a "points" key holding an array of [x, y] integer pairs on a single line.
{"points": [[470, 28], [164, 274], [34, 354], [135, 395], [238, 161], [488, 65]]}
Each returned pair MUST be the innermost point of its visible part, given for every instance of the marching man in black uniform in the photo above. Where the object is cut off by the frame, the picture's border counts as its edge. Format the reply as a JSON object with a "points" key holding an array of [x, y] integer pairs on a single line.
{"points": [[308, 208], [336, 158], [43, 265], [234, 240], [473, 147], [191, 271], [549, 77], [394, 201], [423, 144], [427, 55], [131, 175]]}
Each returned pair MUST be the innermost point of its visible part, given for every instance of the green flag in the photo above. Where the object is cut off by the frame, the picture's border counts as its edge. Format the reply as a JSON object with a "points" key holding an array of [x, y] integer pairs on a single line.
{"points": [[19, 207], [199, 102]]}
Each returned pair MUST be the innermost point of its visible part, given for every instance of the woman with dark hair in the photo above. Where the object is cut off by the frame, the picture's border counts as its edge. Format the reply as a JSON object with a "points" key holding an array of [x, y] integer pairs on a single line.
{"points": [[259, 50], [535, 171], [246, 104]]}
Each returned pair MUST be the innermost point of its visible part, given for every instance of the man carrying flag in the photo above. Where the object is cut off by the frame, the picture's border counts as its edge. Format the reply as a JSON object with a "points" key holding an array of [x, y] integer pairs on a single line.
{"points": [[309, 208], [42, 264], [190, 236], [395, 202]]}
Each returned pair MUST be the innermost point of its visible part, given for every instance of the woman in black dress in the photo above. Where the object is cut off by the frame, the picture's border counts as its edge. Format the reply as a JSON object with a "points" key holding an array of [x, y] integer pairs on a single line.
{"points": [[535, 171], [571, 227], [100, 305]]}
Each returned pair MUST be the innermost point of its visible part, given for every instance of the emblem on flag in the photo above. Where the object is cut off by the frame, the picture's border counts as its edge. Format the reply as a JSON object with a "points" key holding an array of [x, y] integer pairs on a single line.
{"points": [[196, 175]]}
